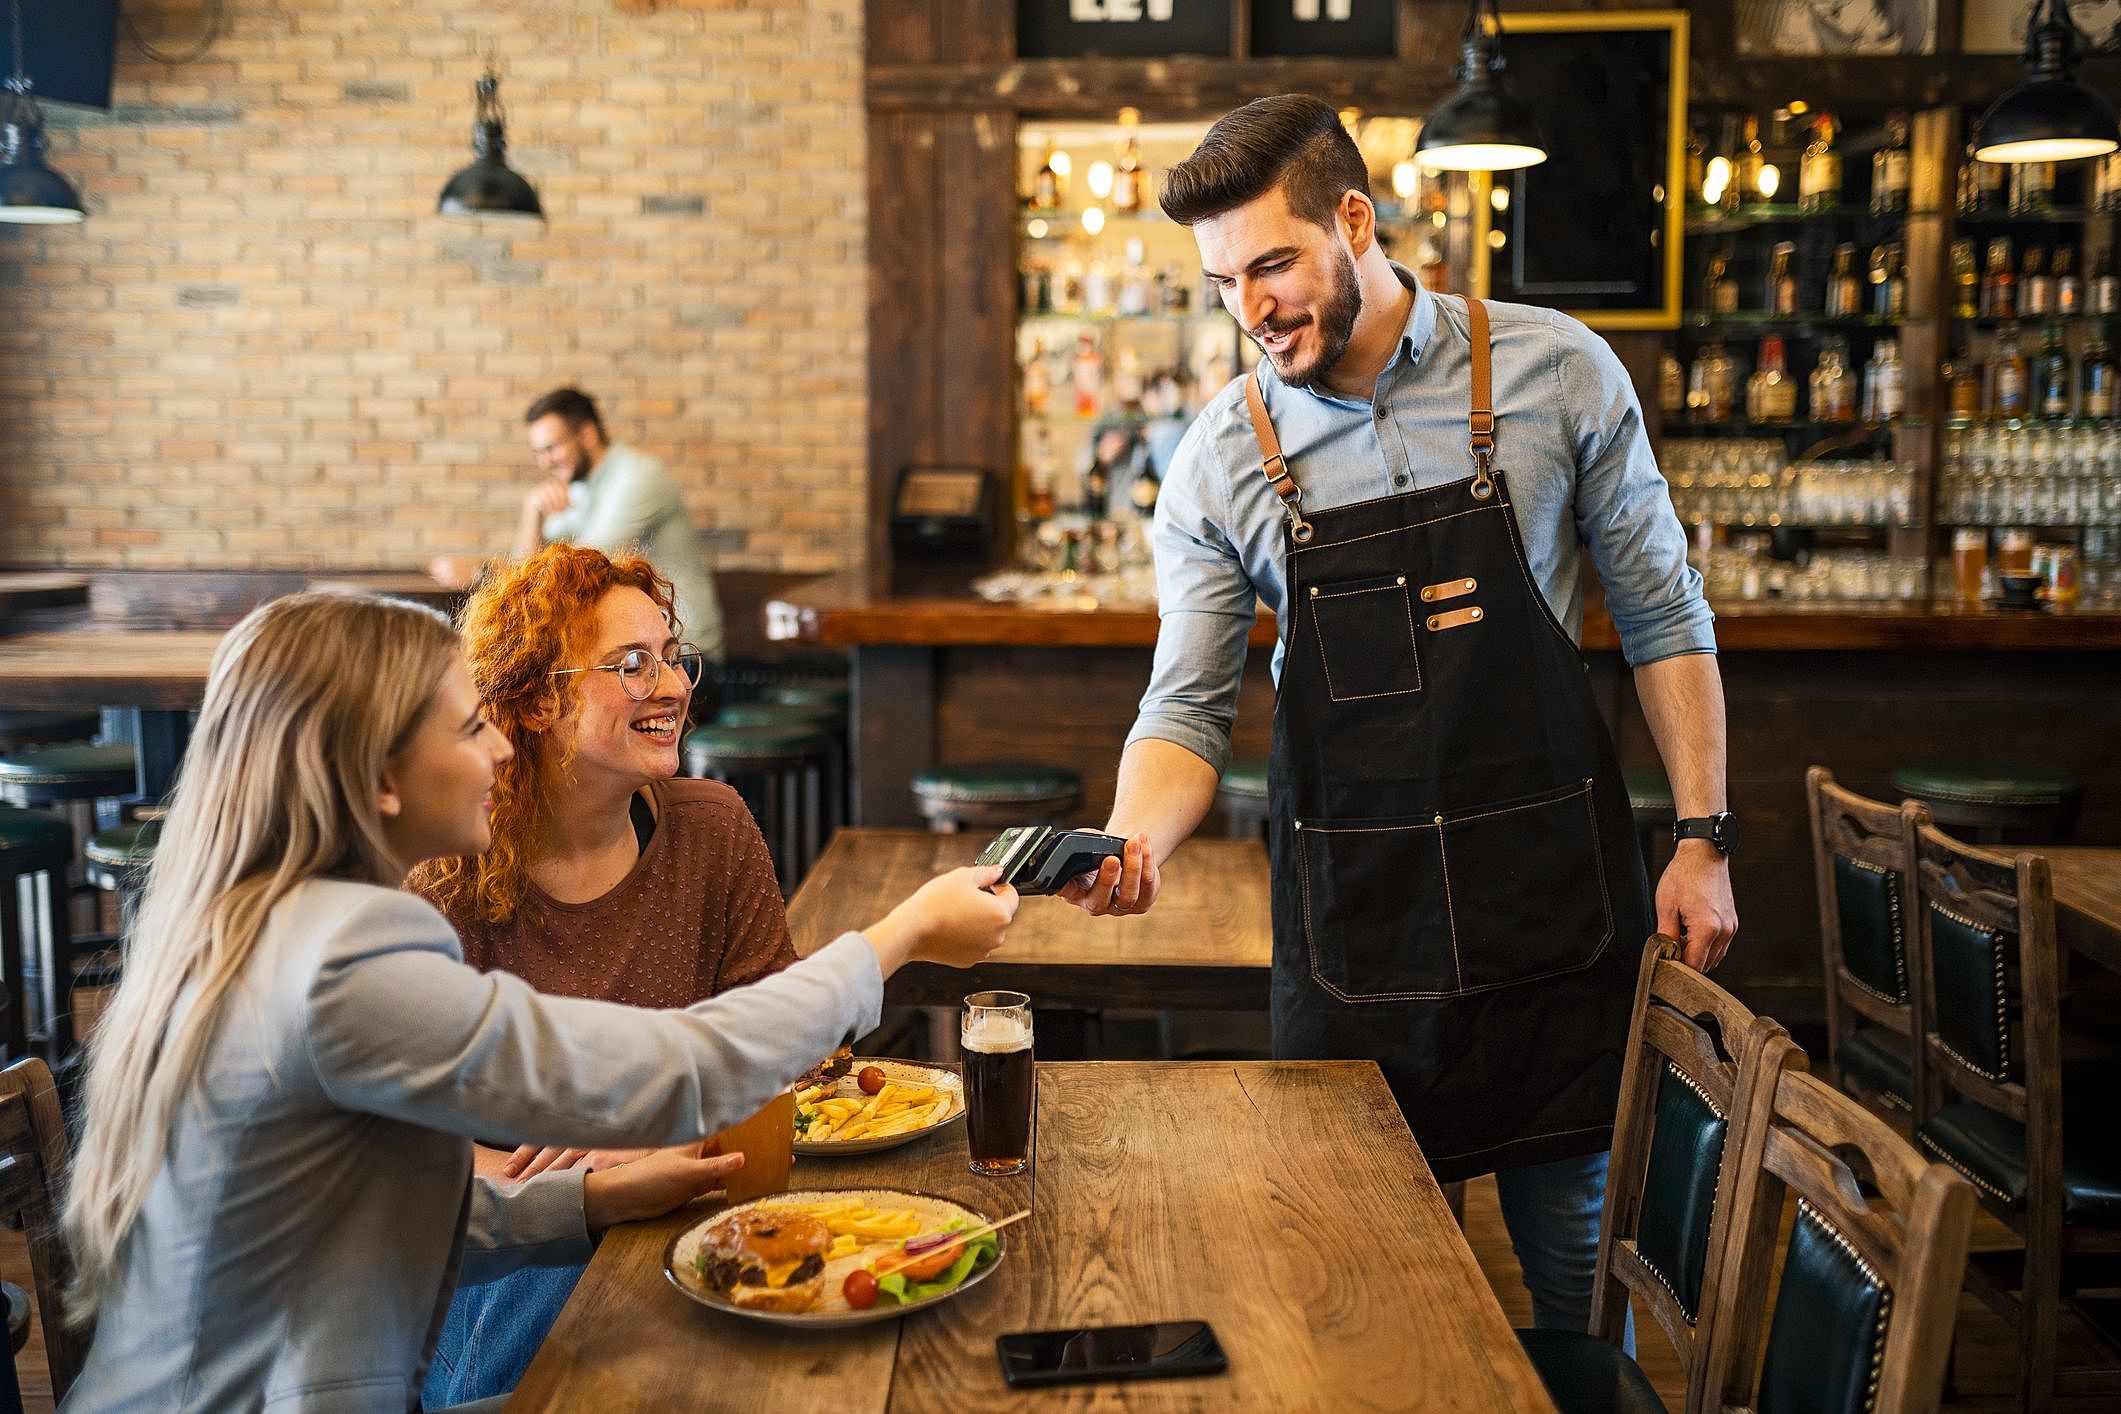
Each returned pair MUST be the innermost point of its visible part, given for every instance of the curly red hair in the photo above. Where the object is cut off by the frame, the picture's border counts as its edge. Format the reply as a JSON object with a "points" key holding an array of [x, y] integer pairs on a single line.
{"points": [[525, 620]]}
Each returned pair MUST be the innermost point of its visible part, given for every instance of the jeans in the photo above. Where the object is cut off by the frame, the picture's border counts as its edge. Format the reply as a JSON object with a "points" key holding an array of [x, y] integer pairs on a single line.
{"points": [[493, 1330], [1552, 1212]]}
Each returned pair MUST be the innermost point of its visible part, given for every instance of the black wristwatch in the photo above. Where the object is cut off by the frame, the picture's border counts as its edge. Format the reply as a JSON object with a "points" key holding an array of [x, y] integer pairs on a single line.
{"points": [[1720, 830]]}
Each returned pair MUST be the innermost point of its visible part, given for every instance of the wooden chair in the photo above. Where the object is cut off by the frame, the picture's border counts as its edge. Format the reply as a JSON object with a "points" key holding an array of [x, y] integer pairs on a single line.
{"points": [[2038, 1143], [1863, 1313], [1691, 1069], [1863, 855], [33, 1158]]}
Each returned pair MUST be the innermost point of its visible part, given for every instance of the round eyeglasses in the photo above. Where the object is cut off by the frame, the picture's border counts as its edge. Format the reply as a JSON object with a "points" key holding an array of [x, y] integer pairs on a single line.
{"points": [[640, 670]]}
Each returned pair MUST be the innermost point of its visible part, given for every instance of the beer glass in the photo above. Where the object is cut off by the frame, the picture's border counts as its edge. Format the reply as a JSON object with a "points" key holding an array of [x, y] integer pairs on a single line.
{"points": [[995, 1035], [767, 1142], [1969, 562]]}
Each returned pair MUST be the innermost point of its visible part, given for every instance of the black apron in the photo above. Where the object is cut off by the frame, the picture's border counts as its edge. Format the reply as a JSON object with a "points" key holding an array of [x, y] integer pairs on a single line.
{"points": [[1458, 890]]}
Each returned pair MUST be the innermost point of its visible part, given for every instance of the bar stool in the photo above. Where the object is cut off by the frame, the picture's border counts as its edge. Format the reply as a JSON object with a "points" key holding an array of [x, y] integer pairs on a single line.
{"points": [[992, 794], [35, 851], [1992, 802], [818, 716], [1650, 801], [1243, 798], [116, 861], [22, 730], [779, 770], [828, 692]]}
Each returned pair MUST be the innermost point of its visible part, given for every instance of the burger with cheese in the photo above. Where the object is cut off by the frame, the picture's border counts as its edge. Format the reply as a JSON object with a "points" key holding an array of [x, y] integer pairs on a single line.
{"points": [[766, 1258]]}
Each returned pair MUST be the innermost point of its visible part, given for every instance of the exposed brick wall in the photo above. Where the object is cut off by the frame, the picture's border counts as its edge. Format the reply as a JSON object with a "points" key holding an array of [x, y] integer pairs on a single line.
{"points": [[264, 349]]}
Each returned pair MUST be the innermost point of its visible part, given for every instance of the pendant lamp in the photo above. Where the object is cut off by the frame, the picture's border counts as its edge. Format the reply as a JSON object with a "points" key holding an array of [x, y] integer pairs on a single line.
{"points": [[1480, 128], [489, 187], [30, 192], [2050, 117]]}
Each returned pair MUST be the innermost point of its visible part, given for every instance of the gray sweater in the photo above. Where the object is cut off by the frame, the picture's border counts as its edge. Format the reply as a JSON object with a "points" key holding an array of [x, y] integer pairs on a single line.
{"points": [[299, 1250]]}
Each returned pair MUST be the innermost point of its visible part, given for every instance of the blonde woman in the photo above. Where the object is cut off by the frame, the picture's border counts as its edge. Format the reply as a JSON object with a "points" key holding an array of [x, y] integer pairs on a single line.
{"points": [[273, 1196]]}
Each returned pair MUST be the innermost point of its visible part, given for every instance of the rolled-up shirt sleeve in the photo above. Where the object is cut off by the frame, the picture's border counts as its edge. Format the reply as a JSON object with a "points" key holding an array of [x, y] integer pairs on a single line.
{"points": [[1207, 605], [1624, 509]]}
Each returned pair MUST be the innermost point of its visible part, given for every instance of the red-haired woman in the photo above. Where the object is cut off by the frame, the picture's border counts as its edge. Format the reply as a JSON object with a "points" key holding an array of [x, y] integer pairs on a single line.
{"points": [[607, 877]]}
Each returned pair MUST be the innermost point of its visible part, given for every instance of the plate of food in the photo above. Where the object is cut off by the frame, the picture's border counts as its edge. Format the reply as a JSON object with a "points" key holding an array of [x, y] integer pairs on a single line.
{"points": [[837, 1258], [874, 1103]]}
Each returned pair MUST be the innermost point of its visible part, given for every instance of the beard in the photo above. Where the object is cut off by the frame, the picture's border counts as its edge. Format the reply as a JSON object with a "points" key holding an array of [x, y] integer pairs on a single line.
{"points": [[1336, 325]]}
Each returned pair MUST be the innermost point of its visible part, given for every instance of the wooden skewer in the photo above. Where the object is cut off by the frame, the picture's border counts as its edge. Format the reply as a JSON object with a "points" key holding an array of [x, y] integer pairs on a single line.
{"points": [[881, 1270]]}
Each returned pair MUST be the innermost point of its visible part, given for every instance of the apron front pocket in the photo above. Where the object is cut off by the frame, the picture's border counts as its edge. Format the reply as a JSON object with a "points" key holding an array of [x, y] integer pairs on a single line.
{"points": [[1529, 897], [1365, 631], [1423, 909]]}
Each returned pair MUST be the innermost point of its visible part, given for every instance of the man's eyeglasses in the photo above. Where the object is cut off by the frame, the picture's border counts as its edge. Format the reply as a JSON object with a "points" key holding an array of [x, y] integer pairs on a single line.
{"points": [[639, 670]]}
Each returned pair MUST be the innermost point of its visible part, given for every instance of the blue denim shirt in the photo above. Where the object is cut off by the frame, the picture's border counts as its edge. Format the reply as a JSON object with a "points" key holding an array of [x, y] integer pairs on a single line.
{"points": [[1568, 435]]}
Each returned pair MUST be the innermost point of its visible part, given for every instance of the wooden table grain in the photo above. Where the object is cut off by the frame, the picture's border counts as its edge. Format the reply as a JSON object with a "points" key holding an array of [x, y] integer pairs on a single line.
{"points": [[25, 590], [1207, 943], [2088, 900], [159, 676], [1283, 1202]]}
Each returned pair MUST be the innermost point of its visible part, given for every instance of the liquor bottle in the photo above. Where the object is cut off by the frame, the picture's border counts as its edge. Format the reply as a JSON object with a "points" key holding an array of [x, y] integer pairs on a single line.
{"points": [[1086, 375], [1967, 190], [1833, 384], [2095, 380], [1127, 179], [1782, 278], [2036, 291], [1038, 494], [1999, 285], [2053, 377], [1962, 381], [1888, 278], [1752, 158], [1046, 190], [2069, 289], [1134, 283], [1891, 168], [1819, 171], [1148, 485], [2102, 294], [1885, 383], [2032, 188], [1844, 286], [1966, 282], [1711, 391], [1100, 289], [1038, 382], [1671, 385], [2013, 375], [1720, 294], [1770, 394]]}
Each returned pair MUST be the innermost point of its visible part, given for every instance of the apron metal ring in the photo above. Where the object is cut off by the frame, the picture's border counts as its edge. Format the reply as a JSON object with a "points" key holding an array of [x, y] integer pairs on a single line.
{"points": [[1483, 484], [1299, 530]]}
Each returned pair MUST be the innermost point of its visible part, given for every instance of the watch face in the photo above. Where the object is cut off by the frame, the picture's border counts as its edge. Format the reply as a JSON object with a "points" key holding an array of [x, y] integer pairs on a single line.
{"points": [[1726, 836]]}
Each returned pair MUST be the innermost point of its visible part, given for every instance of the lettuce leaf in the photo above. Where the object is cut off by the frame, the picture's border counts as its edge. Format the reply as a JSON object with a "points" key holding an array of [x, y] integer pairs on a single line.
{"points": [[979, 1252]]}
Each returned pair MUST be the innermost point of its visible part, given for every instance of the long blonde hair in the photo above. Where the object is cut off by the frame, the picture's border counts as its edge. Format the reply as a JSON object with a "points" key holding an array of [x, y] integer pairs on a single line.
{"points": [[307, 700]]}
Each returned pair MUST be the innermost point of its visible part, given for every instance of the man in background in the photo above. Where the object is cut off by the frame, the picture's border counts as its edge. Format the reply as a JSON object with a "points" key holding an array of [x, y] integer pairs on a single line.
{"points": [[606, 495]]}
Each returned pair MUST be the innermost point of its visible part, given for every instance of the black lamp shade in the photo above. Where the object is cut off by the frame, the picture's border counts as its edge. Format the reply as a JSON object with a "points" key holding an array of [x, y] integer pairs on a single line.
{"points": [[489, 187], [2047, 120], [1480, 128]]}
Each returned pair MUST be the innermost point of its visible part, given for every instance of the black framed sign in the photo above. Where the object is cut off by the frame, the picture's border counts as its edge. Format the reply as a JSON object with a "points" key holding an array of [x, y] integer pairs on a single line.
{"points": [[1595, 229], [1338, 29], [1122, 29]]}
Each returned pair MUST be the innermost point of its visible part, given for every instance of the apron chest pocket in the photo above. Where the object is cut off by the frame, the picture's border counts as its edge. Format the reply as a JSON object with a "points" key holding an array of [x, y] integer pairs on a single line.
{"points": [[1486, 898], [1365, 632]]}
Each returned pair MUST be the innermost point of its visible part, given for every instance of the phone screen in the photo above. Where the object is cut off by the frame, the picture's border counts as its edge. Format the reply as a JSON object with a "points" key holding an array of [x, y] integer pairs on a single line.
{"points": [[1110, 1353]]}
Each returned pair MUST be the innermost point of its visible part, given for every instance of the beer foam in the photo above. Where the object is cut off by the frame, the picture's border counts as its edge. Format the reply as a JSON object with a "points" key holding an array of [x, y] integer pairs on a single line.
{"points": [[996, 1035]]}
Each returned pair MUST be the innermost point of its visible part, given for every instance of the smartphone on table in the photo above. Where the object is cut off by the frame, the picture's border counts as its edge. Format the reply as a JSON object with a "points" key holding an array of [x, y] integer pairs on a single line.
{"points": [[1087, 1353]]}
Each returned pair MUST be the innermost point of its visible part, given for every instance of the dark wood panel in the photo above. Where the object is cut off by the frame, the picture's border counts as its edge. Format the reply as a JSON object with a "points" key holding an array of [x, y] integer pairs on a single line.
{"points": [[906, 268], [976, 397]]}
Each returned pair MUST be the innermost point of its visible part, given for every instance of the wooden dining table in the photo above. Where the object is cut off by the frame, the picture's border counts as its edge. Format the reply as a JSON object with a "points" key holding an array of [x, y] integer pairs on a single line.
{"points": [[2087, 883], [1285, 1203], [21, 591], [1207, 944], [157, 676]]}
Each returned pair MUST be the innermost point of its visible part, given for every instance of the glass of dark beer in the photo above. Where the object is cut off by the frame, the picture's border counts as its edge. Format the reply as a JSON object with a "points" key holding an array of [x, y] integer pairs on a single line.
{"points": [[995, 1034]]}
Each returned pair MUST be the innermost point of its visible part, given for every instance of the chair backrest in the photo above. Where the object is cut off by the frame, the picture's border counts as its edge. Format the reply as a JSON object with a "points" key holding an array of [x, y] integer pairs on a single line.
{"points": [[1986, 949], [1684, 1080], [1863, 856], [1863, 1315], [33, 1159]]}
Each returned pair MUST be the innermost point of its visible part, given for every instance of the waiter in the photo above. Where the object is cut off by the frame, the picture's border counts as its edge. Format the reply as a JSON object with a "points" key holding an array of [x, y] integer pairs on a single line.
{"points": [[1407, 481]]}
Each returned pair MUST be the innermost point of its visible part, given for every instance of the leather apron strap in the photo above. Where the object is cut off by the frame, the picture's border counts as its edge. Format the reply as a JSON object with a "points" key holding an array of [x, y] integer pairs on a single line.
{"points": [[1480, 428]]}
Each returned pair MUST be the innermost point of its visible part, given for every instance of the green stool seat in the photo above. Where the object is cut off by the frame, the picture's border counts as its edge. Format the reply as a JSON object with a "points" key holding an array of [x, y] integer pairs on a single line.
{"points": [[19, 730], [811, 694], [55, 773], [1995, 802], [820, 715], [780, 769], [1248, 778], [25, 832], [751, 742], [1243, 798], [1650, 801], [114, 854], [984, 793]]}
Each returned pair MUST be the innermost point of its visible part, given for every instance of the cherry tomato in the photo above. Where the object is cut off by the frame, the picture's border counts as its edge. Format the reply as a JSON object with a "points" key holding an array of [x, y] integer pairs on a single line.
{"points": [[859, 1288], [871, 1079], [930, 1265]]}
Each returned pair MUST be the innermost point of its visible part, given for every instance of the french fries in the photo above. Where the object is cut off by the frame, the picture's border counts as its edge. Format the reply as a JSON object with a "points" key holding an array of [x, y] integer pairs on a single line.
{"points": [[901, 1107], [854, 1224]]}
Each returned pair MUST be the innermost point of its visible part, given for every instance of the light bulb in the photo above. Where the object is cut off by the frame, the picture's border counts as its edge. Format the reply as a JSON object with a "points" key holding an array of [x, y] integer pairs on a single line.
{"points": [[1058, 161], [1770, 181], [1406, 180], [1094, 219], [1099, 179]]}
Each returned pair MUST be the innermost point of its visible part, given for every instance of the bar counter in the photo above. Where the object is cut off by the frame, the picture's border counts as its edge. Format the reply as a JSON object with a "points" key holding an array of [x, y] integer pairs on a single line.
{"points": [[944, 677]]}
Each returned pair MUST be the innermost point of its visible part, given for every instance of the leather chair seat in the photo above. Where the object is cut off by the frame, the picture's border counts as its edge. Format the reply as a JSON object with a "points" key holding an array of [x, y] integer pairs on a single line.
{"points": [[1875, 1060], [1245, 778], [1824, 1338], [33, 831], [67, 773], [1989, 1148], [1586, 1375], [997, 783], [761, 743], [1988, 783]]}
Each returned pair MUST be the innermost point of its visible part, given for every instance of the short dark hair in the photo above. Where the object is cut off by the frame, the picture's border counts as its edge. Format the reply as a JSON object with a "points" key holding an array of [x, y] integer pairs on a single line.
{"points": [[1292, 140], [573, 405]]}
